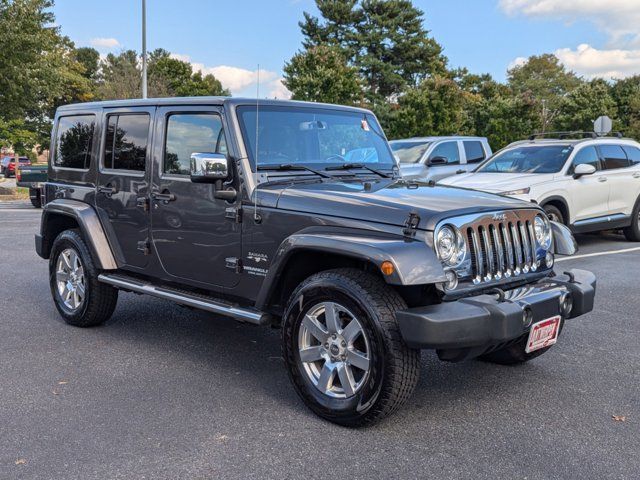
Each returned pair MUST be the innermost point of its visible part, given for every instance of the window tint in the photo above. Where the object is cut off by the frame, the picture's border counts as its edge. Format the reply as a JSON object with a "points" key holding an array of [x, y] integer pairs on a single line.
{"points": [[633, 153], [191, 133], [474, 151], [613, 157], [73, 141], [588, 156], [126, 142], [448, 150]]}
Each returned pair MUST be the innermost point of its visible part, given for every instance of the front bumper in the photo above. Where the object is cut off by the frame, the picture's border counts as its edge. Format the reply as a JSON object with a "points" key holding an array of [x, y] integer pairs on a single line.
{"points": [[472, 326]]}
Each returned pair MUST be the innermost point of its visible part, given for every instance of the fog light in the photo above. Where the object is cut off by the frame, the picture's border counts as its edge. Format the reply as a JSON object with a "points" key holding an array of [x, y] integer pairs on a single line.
{"points": [[452, 280], [527, 318], [549, 259], [566, 304]]}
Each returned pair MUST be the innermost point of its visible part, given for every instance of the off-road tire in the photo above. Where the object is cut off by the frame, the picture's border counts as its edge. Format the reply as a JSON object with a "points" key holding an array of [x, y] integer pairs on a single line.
{"points": [[394, 368], [632, 232], [100, 299], [37, 201], [554, 212]]}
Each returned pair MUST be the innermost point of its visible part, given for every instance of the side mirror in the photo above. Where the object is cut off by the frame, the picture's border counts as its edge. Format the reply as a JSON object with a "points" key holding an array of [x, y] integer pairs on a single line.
{"points": [[438, 161], [583, 169], [209, 167], [213, 168]]}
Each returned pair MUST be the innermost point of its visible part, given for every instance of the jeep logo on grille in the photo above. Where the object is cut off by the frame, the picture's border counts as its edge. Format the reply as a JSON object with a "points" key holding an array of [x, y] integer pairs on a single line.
{"points": [[499, 217]]}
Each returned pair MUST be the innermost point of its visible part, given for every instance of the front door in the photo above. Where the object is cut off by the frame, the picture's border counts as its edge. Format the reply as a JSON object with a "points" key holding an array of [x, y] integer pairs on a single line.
{"points": [[589, 194], [194, 234], [123, 182], [450, 151]]}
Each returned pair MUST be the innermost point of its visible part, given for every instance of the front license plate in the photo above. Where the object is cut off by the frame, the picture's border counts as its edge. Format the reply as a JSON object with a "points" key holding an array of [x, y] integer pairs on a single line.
{"points": [[543, 334]]}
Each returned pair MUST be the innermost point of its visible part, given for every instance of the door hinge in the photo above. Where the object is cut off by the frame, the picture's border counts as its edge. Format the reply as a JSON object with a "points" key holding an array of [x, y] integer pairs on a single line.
{"points": [[234, 214], [234, 263], [145, 247], [411, 225]]}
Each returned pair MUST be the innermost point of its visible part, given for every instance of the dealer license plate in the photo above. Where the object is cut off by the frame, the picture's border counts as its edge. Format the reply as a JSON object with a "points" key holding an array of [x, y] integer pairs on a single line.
{"points": [[543, 334]]}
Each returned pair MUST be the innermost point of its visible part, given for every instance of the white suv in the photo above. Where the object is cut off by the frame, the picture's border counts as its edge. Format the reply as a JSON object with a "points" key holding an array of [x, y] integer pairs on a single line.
{"points": [[588, 184]]}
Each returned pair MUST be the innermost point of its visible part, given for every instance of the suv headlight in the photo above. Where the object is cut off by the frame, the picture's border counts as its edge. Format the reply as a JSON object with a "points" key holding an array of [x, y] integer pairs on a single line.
{"points": [[520, 191], [450, 246], [542, 229]]}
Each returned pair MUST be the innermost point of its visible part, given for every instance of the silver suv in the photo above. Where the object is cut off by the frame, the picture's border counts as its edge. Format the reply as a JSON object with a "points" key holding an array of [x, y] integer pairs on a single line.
{"points": [[435, 158]]}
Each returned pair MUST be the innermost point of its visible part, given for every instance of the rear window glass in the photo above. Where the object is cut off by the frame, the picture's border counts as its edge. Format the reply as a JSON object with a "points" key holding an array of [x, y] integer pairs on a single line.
{"points": [[126, 142], [74, 139], [613, 157], [473, 151], [633, 153]]}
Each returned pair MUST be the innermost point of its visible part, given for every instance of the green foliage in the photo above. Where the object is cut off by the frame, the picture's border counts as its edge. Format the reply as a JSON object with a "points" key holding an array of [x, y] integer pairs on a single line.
{"points": [[582, 105], [321, 74], [626, 95]]}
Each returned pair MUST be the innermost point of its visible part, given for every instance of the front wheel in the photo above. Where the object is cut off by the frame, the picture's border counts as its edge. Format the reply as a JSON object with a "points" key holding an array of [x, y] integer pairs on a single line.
{"points": [[632, 232], [343, 349], [554, 214]]}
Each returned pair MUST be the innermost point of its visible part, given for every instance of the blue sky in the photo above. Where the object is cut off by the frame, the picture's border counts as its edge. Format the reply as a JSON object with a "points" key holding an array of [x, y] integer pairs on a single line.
{"points": [[230, 38]]}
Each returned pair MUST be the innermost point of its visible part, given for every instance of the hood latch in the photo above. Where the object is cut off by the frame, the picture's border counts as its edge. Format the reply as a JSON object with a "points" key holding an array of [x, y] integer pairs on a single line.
{"points": [[411, 225]]}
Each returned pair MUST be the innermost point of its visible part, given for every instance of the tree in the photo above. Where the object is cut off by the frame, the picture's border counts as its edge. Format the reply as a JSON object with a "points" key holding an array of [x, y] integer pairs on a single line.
{"points": [[626, 95], [581, 106], [121, 76], [544, 81], [89, 58], [321, 74]]}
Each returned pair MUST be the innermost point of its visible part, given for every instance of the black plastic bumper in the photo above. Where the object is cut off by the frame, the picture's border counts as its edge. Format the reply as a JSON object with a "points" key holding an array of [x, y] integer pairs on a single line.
{"points": [[471, 326], [40, 246]]}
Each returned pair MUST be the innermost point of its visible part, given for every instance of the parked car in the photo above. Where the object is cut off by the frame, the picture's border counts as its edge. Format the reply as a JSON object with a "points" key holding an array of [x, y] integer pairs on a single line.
{"points": [[589, 184], [256, 214], [434, 158], [32, 177], [8, 165]]}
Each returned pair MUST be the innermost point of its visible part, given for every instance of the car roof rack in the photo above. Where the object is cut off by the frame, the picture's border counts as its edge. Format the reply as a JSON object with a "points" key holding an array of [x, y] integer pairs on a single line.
{"points": [[573, 135]]}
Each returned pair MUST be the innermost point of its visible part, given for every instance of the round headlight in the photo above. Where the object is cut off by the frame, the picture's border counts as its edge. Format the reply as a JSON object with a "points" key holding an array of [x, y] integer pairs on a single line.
{"points": [[450, 245], [542, 228]]}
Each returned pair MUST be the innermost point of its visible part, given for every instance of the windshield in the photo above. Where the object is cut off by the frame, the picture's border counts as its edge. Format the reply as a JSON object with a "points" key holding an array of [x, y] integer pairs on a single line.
{"points": [[316, 137], [409, 152], [535, 159]]}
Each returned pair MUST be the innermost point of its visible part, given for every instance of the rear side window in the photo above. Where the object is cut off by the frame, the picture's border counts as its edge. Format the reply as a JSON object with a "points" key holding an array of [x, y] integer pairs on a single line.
{"points": [[126, 142], [613, 157], [473, 151], [588, 156], [74, 139], [448, 150], [633, 153], [191, 133]]}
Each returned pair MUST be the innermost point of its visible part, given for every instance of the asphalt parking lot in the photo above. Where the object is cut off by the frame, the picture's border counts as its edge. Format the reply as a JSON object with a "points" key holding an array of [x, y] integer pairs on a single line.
{"points": [[164, 392]]}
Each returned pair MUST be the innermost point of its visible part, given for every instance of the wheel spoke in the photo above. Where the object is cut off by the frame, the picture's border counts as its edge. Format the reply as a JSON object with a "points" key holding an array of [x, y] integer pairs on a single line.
{"points": [[62, 276], [66, 294], [314, 328], [346, 379], [325, 381], [67, 261], [331, 317], [358, 360], [76, 299], [75, 261], [80, 271], [351, 331], [311, 354]]}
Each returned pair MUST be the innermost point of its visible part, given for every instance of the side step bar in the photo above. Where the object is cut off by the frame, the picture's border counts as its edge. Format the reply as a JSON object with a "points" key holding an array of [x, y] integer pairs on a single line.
{"points": [[188, 299]]}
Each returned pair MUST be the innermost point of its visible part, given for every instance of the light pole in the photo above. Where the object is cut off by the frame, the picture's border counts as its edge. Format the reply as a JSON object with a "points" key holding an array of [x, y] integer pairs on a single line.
{"points": [[144, 49]]}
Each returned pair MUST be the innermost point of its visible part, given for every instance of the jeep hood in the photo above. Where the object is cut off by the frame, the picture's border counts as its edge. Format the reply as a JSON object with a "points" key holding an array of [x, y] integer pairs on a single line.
{"points": [[497, 182], [384, 201]]}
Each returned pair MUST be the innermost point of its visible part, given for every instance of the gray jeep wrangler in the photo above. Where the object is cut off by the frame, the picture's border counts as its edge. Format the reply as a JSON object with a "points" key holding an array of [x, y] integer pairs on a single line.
{"points": [[293, 215]]}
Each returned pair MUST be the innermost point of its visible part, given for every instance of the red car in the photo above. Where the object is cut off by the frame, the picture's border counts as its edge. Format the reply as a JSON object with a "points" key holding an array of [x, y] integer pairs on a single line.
{"points": [[8, 165]]}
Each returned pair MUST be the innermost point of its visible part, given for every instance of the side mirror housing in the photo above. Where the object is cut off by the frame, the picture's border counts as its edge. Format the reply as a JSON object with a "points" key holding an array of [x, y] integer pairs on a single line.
{"points": [[583, 169], [213, 168], [437, 161]]}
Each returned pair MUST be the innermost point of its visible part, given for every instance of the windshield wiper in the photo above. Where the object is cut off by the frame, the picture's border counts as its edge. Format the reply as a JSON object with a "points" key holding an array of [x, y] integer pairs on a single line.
{"points": [[350, 166], [288, 166]]}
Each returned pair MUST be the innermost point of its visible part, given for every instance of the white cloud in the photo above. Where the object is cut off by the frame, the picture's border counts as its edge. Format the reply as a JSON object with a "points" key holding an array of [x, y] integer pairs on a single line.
{"points": [[591, 62], [241, 80], [107, 43], [517, 62]]}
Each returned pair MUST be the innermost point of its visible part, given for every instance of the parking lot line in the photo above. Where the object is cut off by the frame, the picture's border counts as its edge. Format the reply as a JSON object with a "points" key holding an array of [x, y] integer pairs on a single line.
{"points": [[598, 254]]}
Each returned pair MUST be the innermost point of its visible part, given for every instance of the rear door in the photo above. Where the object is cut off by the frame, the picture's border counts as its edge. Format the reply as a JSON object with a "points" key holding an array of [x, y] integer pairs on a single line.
{"points": [[195, 235], [474, 153], [623, 184], [451, 151], [123, 182]]}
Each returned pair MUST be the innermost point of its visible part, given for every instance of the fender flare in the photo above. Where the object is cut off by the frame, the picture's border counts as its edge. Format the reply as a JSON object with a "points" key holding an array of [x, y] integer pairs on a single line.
{"points": [[415, 262], [557, 198], [90, 226]]}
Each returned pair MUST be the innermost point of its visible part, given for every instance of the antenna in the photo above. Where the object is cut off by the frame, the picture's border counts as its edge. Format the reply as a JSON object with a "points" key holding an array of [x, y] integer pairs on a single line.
{"points": [[255, 190]]}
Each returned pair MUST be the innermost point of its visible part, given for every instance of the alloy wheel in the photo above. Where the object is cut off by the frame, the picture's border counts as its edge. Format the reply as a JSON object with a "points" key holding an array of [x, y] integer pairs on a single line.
{"points": [[70, 279]]}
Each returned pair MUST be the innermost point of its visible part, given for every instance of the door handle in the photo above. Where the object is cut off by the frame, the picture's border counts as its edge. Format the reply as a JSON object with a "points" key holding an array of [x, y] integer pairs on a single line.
{"points": [[602, 179], [108, 190], [164, 197]]}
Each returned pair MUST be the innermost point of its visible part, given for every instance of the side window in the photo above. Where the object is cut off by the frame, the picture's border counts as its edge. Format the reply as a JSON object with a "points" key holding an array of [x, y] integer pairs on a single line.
{"points": [[587, 155], [474, 151], [633, 153], [126, 142], [448, 150], [74, 139], [189, 133], [613, 157]]}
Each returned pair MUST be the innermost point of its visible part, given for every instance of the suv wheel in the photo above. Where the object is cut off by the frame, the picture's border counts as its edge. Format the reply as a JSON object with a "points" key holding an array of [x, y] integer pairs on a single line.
{"points": [[343, 349], [554, 213], [36, 198], [80, 298], [632, 232]]}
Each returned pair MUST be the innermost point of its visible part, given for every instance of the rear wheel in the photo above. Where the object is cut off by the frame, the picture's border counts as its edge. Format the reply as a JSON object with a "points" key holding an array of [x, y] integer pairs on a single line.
{"points": [[632, 232], [36, 199], [80, 298], [343, 349], [554, 213]]}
